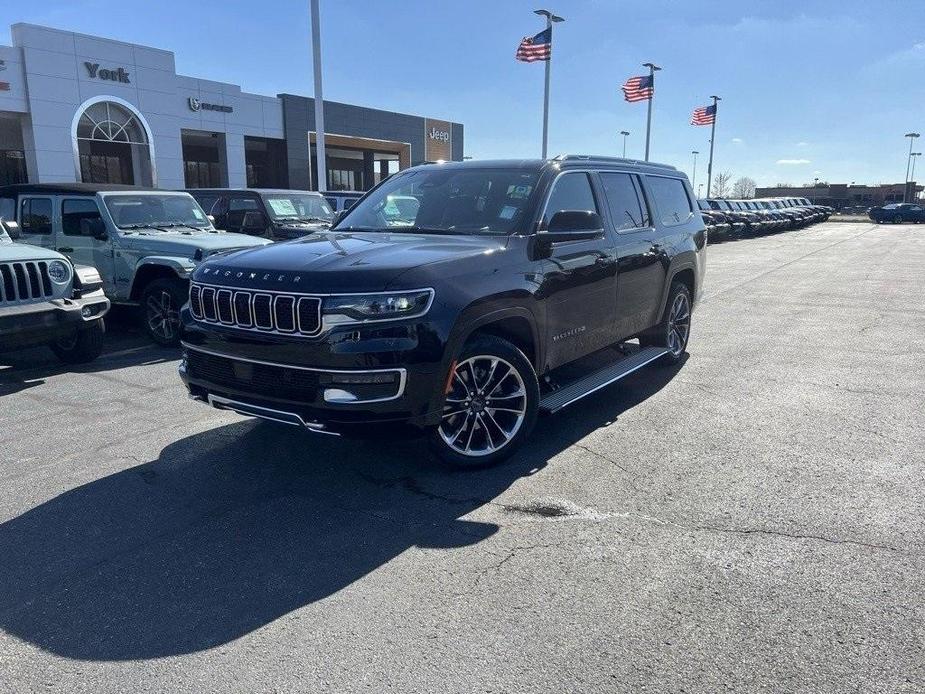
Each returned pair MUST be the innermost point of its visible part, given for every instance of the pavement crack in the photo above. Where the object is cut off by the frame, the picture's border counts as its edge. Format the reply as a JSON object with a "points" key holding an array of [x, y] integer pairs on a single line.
{"points": [[795, 536], [606, 458]]}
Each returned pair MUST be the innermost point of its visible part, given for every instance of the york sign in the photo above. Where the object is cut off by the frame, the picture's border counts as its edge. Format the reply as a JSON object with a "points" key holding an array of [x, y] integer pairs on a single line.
{"points": [[439, 135], [117, 75]]}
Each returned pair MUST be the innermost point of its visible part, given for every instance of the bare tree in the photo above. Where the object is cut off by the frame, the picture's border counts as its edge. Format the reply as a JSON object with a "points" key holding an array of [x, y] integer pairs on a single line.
{"points": [[744, 188], [720, 187]]}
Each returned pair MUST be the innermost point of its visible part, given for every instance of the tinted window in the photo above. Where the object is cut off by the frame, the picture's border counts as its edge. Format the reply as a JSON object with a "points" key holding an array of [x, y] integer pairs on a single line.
{"points": [[626, 209], [674, 207], [8, 208], [72, 211], [570, 192], [237, 204], [207, 202], [36, 216]]}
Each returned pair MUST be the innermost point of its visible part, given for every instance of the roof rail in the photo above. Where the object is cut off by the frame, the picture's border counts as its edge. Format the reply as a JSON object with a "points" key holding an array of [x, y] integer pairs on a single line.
{"points": [[611, 160]]}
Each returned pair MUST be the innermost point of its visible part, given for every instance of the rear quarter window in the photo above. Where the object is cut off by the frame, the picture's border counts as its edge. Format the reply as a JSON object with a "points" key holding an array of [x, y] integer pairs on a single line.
{"points": [[671, 200]]}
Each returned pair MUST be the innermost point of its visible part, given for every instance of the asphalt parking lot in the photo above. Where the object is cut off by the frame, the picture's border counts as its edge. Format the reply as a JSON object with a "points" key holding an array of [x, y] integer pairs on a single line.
{"points": [[750, 520]]}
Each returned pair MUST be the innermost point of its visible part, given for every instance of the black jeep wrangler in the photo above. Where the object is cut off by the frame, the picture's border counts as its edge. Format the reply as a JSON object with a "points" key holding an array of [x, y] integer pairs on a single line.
{"points": [[458, 319]]}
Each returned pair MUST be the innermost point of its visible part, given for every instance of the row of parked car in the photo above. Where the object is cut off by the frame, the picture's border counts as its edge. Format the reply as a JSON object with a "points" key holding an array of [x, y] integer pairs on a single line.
{"points": [[729, 219]]}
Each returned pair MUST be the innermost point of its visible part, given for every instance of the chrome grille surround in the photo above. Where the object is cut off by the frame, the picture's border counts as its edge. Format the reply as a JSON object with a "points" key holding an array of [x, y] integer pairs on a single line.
{"points": [[281, 313]]}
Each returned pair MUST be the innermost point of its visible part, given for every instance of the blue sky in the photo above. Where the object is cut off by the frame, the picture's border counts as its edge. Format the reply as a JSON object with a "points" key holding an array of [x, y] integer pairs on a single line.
{"points": [[810, 88]]}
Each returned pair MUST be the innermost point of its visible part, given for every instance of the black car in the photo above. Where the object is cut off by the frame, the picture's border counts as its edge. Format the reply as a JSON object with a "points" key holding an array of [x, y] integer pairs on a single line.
{"points": [[898, 213], [278, 215], [464, 322]]}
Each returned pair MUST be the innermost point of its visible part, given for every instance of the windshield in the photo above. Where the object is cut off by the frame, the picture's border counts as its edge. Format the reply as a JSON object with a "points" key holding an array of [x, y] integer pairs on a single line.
{"points": [[303, 207], [156, 211], [439, 200]]}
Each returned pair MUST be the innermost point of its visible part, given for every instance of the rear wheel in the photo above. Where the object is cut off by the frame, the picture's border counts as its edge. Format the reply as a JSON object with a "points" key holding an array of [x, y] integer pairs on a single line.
{"points": [[674, 330], [160, 305], [83, 346], [491, 405], [898, 219]]}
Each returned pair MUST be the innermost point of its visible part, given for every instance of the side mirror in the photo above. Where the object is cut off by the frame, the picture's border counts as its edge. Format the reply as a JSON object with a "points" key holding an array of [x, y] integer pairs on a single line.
{"points": [[254, 219], [11, 227], [211, 219], [93, 226], [569, 225]]}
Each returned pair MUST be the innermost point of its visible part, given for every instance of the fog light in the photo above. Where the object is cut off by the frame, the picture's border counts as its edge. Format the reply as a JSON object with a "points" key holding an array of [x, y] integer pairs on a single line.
{"points": [[338, 395], [86, 311], [376, 378]]}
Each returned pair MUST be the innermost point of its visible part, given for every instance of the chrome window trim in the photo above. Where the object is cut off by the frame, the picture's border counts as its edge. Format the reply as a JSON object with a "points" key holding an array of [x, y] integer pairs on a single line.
{"points": [[401, 371]]}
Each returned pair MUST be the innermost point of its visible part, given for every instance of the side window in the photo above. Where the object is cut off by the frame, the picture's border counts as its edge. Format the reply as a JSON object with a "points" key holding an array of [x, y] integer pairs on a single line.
{"points": [[348, 203], [207, 202], [627, 209], [36, 216], [571, 191], [8, 209], [674, 207], [242, 204], [72, 211], [332, 202]]}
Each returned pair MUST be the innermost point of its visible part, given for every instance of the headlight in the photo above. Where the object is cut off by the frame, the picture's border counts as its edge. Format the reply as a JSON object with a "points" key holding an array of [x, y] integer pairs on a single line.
{"points": [[375, 307], [59, 271]]}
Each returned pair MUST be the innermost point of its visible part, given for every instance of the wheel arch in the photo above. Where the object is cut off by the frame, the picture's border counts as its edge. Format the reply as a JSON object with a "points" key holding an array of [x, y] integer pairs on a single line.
{"points": [[153, 268]]}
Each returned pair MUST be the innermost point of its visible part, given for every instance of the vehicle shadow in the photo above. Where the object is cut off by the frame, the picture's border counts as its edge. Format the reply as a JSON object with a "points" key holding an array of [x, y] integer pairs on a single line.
{"points": [[234, 527]]}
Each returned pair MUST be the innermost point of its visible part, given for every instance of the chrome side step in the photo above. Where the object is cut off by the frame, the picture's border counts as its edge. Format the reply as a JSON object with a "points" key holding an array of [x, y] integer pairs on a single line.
{"points": [[555, 401], [250, 410]]}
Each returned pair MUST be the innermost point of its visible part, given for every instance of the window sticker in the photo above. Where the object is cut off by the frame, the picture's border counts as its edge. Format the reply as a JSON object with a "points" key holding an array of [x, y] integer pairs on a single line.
{"points": [[507, 212], [283, 207]]}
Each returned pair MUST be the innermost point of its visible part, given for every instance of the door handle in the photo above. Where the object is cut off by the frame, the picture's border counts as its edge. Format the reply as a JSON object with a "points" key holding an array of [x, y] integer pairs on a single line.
{"points": [[65, 249]]}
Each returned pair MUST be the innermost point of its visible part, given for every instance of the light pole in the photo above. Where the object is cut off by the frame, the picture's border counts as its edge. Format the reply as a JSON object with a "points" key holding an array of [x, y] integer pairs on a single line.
{"points": [[625, 134], [699, 189], [319, 99], [550, 18], [694, 175], [912, 137], [912, 175]]}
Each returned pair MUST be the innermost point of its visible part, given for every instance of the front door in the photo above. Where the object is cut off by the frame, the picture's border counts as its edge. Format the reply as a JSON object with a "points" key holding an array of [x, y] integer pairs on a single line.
{"points": [[578, 279], [640, 265], [83, 248]]}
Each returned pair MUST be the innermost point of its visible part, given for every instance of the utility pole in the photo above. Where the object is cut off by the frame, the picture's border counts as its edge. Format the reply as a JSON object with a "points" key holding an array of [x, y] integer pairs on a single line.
{"points": [[912, 137], [716, 101], [550, 18], [624, 133], [322, 177], [652, 68]]}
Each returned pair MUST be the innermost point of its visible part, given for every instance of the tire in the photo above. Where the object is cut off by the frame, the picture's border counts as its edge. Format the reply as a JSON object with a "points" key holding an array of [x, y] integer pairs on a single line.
{"points": [[898, 219], [672, 332], [471, 434], [160, 309], [85, 345]]}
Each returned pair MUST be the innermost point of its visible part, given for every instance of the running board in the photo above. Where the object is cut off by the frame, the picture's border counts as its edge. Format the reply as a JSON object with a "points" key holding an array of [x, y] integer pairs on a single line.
{"points": [[556, 400]]}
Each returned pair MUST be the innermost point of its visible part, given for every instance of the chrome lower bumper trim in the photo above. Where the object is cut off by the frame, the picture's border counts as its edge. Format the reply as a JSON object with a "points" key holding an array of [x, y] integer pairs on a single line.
{"points": [[250, 410]]}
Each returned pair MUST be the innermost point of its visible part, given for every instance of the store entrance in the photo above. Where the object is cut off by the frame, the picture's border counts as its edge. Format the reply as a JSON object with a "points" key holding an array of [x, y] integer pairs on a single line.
{"points": [[202, 159], [106, 162], [113, 145]]}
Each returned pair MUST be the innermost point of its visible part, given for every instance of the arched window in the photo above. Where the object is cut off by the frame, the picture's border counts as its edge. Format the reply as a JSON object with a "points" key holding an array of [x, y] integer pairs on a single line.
{"points": [[112, 143], [110, 122]]}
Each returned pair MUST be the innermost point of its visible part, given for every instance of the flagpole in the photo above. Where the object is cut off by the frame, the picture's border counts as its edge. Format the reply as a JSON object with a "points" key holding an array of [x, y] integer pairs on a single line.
{"points": [[716, 100], [652, 68], [550, 18], [321, 183]]}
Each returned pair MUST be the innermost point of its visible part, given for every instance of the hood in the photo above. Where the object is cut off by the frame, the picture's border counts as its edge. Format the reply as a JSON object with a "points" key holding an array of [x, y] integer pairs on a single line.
{"points": [[187, 244], [11, 251], [356, 262]]}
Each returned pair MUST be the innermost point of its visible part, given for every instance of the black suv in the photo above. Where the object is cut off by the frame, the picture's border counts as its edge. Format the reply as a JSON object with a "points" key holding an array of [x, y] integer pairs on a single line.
{"points": [[459, 321], [278, 215]]}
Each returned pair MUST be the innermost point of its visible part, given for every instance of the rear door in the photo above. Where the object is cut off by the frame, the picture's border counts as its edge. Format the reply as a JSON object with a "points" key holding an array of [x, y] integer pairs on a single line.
{"points": [[81, 249], [36, 220], [641, 263], [579, 278]]}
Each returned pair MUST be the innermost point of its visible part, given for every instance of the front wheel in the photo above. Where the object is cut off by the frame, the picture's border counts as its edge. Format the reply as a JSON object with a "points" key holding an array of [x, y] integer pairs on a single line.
{"points": [[490, 407], [674, 329], [898, 219], [160, 304], [82, 347]]}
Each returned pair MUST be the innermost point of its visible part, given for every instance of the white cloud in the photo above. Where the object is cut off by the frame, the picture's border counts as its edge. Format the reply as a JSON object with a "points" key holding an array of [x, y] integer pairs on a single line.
{"points": [[802, 144], [737, 141], [793, 162]]}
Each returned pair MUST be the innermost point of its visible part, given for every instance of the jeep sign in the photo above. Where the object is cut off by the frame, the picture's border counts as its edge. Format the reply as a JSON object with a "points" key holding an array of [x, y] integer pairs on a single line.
{"points": [[438, 140], [439, 135], [116, 75]]}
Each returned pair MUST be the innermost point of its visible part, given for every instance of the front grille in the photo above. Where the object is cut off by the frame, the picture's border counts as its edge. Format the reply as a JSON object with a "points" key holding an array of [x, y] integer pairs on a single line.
{"points": [[24, 281], [281, 382], [289, 314]]}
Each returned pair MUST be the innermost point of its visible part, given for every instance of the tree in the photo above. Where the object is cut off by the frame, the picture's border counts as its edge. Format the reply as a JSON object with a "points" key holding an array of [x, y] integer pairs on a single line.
{"points": [[744, 188], [720, 187]]}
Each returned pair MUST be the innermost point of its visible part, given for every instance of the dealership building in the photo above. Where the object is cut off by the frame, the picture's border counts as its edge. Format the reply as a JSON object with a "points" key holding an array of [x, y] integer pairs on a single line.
{"points": [[83, 108]]}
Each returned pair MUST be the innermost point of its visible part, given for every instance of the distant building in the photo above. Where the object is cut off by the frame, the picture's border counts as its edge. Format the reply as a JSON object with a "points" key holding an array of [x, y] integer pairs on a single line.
{"points": [[839, 195]]}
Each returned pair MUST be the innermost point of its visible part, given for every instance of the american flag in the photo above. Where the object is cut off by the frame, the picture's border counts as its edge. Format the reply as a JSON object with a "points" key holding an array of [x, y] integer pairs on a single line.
{"points": [[638, 88], [704, 115], [536, 48]]}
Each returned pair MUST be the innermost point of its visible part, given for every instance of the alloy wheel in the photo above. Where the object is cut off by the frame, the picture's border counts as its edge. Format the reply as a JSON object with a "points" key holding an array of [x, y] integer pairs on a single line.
{"points": [[679, 324], [163, 316], [485, 406]]}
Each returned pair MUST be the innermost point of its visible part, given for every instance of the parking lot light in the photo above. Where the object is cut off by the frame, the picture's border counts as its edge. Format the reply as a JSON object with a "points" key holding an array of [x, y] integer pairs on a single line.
{"points": [[625, 134], [912, 137]]}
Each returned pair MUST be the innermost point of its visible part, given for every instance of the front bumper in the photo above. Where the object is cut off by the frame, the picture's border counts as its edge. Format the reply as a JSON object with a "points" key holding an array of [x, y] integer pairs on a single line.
{"points": [[47, 321]]}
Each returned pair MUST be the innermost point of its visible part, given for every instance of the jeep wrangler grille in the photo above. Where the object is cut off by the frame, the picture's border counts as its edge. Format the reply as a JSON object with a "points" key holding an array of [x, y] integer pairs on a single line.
{"points": [[24, 281], [257, 311]]}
